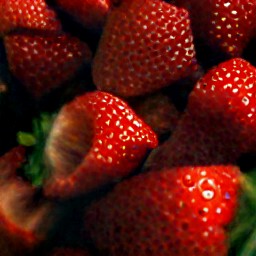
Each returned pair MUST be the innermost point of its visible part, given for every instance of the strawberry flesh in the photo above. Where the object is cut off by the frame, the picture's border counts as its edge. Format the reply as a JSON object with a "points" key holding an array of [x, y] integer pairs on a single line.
{"points": [[24, 223], [112, 143]]}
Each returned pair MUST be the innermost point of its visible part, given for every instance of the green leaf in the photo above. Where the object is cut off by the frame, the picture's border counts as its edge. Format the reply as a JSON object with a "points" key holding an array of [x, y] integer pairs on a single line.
{"points": [[26, 139], [35, 168], [242, 231]]}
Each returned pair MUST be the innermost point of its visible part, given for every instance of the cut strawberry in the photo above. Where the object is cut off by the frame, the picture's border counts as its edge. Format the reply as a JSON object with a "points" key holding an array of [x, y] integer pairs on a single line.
{"points": [[181, 211], [90, 13], [95, 139], [146, 45], [27, 14], [42, 62], [224, 25], [24, 222], [11, 161], [219, 123]]}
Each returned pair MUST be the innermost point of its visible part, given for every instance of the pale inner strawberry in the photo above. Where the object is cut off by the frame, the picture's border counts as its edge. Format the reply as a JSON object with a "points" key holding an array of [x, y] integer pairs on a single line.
{"points": [[69, 141]]}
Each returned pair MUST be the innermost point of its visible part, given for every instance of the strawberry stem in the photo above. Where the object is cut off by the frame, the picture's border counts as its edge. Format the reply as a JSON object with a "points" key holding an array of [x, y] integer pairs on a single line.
{"points": [[34, 169], [26, 139]]}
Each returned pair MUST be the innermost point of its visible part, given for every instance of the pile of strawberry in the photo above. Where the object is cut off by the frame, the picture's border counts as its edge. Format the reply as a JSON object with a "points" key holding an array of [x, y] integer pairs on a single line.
{"points": [[128, 127]]}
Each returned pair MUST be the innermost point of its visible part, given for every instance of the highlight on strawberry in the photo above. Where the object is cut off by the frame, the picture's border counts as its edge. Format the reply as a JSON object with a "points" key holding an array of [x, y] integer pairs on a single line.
{"points": [[179, 211], [28, 14], [226, 26], [95, 139], [44, 62], [135, 123], [145, 46], [219, 123]]}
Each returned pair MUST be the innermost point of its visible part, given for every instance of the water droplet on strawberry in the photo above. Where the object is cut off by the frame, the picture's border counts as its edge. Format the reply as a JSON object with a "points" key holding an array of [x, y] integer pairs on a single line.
{"points": [[188, 181], [208, 194]]}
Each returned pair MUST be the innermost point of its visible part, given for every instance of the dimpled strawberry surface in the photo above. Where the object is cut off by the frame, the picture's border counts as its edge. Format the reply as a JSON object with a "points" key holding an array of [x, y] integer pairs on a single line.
{"points": [[32, 14], [127, 127], [141, 51], [193, 202]]}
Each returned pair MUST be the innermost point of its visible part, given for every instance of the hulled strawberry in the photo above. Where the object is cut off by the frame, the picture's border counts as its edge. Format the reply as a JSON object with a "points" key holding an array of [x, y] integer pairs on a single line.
{"points": [[44, 62], [146, 45], [27, 14], [90, 13], [95, 139], [179, 211], [219, 123], [25, 222], [227, 26]]}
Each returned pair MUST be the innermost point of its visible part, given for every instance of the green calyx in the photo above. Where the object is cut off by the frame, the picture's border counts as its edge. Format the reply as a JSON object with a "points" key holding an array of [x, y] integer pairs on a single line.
{"points": [[242, 231], [35, 169]]}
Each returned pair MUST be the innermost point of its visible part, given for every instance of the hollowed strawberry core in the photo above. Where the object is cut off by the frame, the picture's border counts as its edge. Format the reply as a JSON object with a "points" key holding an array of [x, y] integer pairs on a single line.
{"points": [[69, 141]]}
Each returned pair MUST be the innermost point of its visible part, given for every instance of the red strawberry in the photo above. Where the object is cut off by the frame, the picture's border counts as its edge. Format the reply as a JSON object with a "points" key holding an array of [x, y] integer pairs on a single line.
{"points": [[24, 223], [146, 45], [180, 211], [225, 25], [158, 112], [219, 123], [11, 161], [28, 14], [96, 139], [91, 13], [42, 62], [69, 252]]}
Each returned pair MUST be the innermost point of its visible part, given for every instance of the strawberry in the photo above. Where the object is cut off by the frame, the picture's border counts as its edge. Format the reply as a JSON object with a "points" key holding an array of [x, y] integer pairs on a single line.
{"points": [[27, 14], [44, 62], [158, 111], [24, 223], [179, 211], [69, 252], [11, 161], [146, 45], [95, 139], [90, 13], [219, 123], [224, 25]]}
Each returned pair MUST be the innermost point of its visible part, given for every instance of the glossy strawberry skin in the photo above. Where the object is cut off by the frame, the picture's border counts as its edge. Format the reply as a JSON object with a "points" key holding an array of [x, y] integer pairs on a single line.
{"points": [[146, 45], [90, 13], [27, 14], [96, 139], [180, 211], [219, 123], [44, 62], [226, 26]]}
